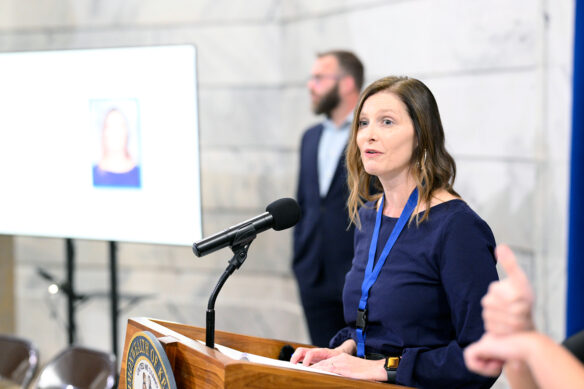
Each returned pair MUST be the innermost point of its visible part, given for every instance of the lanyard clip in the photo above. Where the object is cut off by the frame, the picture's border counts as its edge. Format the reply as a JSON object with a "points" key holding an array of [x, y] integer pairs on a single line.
{"points": [[361, 318]]}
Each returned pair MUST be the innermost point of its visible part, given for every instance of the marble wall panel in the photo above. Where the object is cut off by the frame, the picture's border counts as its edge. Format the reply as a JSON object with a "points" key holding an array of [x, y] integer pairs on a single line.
{"points": [[44, 325], [91, 253], [235, 55], [502, 193], [268, 319], [305, 9], [559, 24], [497, 115], [305, 38], [30, 14], [95, 328], [261, 289], [555, 191], [551, 296], [261, 305], [422, 37], [167, 258], [89, 14], [154, 257], [559, 33], [159, 286], [242, 117], [296, 112], [39, 250], [273, 323], [246, 179], [554, 238], [208, 11], [226, 55], [558, 115], [555, 195], [40, 317]]}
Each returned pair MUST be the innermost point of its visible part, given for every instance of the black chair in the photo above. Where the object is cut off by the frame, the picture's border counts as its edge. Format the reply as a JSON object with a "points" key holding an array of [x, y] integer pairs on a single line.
{"points": [[80, 368], [19, 359], [575, 344]]}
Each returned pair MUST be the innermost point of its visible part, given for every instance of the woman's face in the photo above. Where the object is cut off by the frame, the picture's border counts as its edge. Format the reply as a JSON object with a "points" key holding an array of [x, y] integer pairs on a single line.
{"points": [[386, 136], [115, 133]]}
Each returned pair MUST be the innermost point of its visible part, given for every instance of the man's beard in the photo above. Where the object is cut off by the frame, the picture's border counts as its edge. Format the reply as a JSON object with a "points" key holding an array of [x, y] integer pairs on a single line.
{"points": [[328, 102]]}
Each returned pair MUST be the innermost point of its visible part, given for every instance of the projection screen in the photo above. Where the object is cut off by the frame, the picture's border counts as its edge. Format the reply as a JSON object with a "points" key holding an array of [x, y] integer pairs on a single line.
{"points": [[101, 144]]}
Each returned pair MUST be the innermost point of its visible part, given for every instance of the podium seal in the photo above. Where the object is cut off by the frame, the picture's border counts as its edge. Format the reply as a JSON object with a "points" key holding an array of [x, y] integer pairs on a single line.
{"points": [[147, 366]]}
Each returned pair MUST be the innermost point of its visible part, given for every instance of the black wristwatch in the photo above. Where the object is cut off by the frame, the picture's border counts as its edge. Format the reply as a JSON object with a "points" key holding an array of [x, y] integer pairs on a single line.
{"points": [[391, 364]]}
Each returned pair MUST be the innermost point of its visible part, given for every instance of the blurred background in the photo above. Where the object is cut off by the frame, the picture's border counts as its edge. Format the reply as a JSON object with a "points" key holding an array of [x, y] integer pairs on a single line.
{"points": [[501, 73]]}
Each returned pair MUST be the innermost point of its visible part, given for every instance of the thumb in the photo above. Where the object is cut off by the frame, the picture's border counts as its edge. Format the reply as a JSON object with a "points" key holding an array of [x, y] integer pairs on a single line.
{"points": [[506, 258]]}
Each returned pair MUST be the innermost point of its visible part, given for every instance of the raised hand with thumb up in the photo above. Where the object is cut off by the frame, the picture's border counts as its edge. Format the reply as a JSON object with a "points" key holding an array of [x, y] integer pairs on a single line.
{"points": [[531, 359], [507, 307]]}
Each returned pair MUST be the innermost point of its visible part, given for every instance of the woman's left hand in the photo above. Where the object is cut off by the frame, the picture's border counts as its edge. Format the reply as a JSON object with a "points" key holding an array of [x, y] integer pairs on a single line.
{"points": [[354, 367]]}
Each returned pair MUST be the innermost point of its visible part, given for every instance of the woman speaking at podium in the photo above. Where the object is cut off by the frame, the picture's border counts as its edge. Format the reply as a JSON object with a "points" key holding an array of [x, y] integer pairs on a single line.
{"points": [[423, 258]]}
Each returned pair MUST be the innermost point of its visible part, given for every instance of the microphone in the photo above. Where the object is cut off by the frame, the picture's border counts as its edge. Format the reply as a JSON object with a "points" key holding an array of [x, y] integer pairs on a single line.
{"points": [[279, 215]]}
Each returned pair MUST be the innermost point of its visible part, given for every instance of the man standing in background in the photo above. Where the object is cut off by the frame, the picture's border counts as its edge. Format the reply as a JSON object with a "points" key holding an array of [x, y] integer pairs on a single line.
{"points": [[323, 243]]}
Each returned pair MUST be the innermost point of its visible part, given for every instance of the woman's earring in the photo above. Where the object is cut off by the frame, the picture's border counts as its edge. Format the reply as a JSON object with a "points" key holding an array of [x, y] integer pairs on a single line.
{"points": [[422, 164]]}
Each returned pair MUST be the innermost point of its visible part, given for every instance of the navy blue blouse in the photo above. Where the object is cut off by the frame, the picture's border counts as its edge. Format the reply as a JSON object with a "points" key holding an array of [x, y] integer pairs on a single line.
{"points": [[425, 305]]}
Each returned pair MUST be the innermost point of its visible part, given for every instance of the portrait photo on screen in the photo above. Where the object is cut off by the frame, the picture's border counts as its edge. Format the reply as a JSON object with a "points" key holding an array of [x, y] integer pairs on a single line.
{"points": [[116, 129]]}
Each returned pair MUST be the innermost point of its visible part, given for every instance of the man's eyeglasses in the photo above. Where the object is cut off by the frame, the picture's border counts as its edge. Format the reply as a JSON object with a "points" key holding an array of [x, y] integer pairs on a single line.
{"points": [[317, 78]]}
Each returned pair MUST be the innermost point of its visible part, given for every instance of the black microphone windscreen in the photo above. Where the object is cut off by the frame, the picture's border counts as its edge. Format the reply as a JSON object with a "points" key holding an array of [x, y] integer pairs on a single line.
{"points": [[286, 213]]}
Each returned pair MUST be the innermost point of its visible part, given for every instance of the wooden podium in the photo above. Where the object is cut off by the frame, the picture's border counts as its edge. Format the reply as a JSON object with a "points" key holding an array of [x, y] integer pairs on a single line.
{"points": [[196, 366]]}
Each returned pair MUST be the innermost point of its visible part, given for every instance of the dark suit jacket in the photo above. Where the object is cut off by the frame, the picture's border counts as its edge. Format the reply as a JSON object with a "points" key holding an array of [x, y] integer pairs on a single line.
{"points": [[323, 246]]}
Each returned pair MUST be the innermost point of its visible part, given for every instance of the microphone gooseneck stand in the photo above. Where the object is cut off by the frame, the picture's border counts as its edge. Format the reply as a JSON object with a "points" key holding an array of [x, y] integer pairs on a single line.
{"points": [[239, 247]]}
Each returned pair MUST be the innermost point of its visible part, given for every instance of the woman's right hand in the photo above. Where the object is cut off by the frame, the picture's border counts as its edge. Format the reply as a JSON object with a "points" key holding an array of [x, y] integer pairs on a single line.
{"points": [[310, 356]]}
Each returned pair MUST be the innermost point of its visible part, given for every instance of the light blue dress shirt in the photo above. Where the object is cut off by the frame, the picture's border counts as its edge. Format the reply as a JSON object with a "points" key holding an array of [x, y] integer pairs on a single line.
{"points": [[330, 149]]}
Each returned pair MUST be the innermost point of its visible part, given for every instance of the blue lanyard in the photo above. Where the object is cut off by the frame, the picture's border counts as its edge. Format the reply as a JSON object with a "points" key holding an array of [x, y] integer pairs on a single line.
{"points": [[372, 273]]}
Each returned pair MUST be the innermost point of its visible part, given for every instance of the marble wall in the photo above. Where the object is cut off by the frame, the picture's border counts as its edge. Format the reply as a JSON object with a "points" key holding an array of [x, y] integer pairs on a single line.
{"points": [[500, 70]]}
